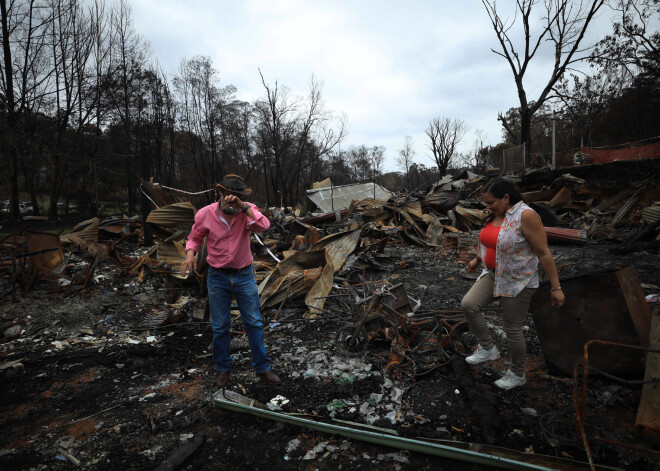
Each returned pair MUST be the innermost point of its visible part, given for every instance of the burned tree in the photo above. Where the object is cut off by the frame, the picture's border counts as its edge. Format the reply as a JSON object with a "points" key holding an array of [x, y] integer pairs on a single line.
{"points": [[444, 135], [25, 73], [634, 43], [292, 135], [404, 160], [563, 25]]}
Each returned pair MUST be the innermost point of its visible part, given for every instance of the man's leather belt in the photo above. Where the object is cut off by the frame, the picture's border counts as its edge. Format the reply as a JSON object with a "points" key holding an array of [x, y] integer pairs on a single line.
{"points": [[230, 271]]}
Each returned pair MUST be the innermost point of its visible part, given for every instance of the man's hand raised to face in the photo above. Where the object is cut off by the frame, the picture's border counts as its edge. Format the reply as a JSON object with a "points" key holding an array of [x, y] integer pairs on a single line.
{"points": [[234, 201]]}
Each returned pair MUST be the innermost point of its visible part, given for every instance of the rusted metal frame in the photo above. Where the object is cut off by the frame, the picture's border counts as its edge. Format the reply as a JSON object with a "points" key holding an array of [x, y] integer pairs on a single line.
{"points": [[579, 400], [400, 325], [415, 350], [451, 338], [403, 367], [585, 365], [632, 382], [578, 415], [393, 312], [419, 324]]}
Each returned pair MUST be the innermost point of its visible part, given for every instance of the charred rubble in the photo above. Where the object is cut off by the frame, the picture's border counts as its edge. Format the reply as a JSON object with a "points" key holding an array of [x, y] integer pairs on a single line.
{"points": [[105, 354]]}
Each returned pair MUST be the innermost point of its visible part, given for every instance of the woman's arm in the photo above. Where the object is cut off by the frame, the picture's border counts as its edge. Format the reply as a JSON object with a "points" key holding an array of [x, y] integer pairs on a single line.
{"points": [[474, 264], [535, 234]]}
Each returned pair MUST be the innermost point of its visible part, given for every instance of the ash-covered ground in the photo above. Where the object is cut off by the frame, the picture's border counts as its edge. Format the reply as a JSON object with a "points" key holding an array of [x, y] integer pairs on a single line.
{"points": [[99, 386]]}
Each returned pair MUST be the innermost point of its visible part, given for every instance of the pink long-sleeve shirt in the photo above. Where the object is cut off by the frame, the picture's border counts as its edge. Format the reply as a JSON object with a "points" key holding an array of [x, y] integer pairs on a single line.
{"points": [[228, 245]]}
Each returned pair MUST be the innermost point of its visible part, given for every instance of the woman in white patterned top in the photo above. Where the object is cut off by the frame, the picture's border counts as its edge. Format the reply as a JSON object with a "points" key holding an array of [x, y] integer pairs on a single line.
{"points": [[511, 245]]}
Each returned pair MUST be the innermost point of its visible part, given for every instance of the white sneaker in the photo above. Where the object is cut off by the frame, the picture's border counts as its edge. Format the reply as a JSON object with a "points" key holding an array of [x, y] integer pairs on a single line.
{"points": [[481, 355], [510, 380]]}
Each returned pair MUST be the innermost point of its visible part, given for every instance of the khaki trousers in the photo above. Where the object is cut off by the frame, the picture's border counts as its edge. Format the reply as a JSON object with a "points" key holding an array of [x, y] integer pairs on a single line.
{"points": [[514, 312]]}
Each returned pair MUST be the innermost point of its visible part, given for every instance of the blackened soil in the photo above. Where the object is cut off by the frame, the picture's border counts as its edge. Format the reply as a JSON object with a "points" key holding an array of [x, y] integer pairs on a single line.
{"points": [[128, 405]]}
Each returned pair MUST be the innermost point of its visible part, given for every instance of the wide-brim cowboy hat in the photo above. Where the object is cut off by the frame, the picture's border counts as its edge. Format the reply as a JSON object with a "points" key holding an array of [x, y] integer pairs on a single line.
{"points": [[233, 184]]}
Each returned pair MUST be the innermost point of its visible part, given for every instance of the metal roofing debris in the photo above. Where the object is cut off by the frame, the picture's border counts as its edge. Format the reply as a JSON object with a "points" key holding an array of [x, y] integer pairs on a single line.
{"points": [[451, 182], [156, 193], [561, 234], [621, 213], [337, 249], [498, 457], [648, 413], [607, 305], [289, 279], [540, 195], [338, 197], [652, 213], [561, 198], [87, 230], [42, 241], [176, 216], [172, 253], [475, 216]]}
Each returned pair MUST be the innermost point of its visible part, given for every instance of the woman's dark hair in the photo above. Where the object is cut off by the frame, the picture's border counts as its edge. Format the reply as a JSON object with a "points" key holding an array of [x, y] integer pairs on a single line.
{"points": [[498, 187]]}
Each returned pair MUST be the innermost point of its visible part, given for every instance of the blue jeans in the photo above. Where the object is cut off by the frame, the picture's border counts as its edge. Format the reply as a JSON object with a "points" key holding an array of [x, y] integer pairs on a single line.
{"points": [[222, 287]]}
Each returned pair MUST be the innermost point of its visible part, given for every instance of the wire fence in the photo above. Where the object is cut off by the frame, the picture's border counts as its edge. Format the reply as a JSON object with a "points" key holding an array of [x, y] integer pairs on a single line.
{"points": [[515, 160], [510, 161]]}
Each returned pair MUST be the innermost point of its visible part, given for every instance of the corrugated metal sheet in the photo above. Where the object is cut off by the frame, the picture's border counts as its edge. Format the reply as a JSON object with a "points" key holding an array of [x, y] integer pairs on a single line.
{"points": [[289, 271], [560, 234], [177, 216], [651, 214], [156, 193], [563, 197], [541, 195], [339, 246], [475, 216], [338, 197], [612, 200], [621, 213], [87, 230], [38, 241], [172, 253]]}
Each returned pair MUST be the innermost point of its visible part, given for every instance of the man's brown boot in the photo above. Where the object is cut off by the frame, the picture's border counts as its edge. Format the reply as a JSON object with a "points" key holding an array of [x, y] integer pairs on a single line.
{"points": [[221, 379], [271, 377]]}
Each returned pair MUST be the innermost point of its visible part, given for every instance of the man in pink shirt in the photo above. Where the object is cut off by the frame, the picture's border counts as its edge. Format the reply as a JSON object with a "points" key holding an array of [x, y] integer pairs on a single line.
{"points": [[226, 225]]}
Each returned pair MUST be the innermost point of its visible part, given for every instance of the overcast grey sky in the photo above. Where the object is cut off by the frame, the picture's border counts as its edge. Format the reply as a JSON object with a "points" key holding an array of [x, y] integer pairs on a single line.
{"points": [[390, 66]]}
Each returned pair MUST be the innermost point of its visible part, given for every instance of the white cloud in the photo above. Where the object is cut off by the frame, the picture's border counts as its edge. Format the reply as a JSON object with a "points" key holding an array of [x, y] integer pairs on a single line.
{"points": [[391, 66]]}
